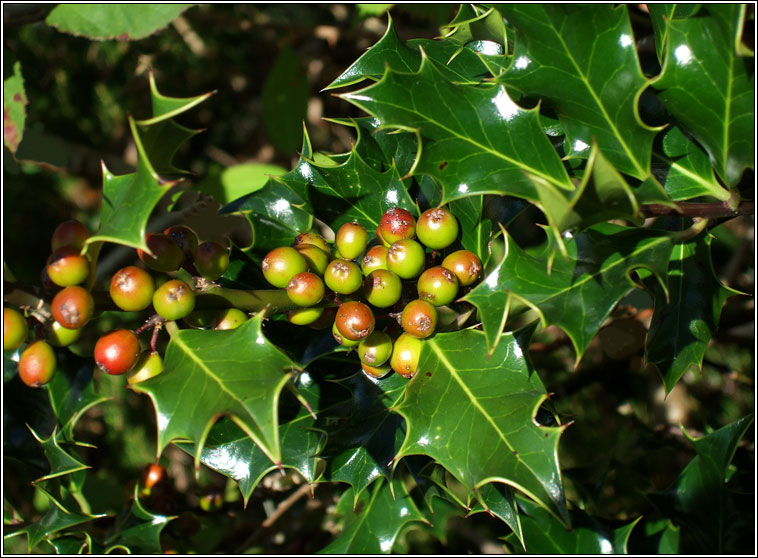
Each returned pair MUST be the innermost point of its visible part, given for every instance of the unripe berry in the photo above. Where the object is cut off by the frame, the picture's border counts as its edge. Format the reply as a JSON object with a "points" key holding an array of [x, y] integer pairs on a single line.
{"points": [[73, 307], [148, 366], [167, 255], [15, 329], [374, 258], [69, 233], [117, 352], [313, 239], [174, 300], [341, 339], [375, 349], [351, 240], [67, 267], [343, 276], [211, 260], [59, 336], [306, 289], [419, 318], [315, 257], [437, 228], [231, 318], [354, 320], [382, 288], [282, 264], [375, 371], [37, 364], [405, 355], [465, 265], [396, 224], [437, 285], [304, 316], [406, 258], [132, 288], [186, 238]]}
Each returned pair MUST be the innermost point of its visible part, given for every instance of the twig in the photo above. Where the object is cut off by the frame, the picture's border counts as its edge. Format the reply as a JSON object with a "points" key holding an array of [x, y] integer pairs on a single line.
{"points": [[707, 210]]}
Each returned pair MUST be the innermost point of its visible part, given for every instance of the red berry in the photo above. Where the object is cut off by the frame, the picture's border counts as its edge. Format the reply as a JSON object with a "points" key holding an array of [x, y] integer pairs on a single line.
{"points": [[438, 285], [69, 233], [374, 258], [306, 289], [67, 267], [465, 265], [419, 318], [132, 289], [174, 300], [343, 276], [73, 307], [354, 320], [117, 352], [37, 364], [396, 224]]}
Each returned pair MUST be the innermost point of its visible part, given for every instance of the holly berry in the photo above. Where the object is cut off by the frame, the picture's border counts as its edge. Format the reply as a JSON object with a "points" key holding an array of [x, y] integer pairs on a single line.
{"points": [[419, 318], [37, 364], [354, 320], [375, 371], [231, 318], [15, 329], [73, 307], [132, 288], [406, 258], [396, 224], [186, 238], [152, 475], [306, 289], [465, 265], [375, 349], [341, 339], [59, 336], [148, 366], [312, 238], [69, 233], [304, 316], [117, 352], [351, 240], [437, 285], [405, 355], [374, 258], [343, 276], [382, 288], [174, 300], [437, 228], [282, 264], [67, 267], [166, 254], [211, 260], [315, 257]]}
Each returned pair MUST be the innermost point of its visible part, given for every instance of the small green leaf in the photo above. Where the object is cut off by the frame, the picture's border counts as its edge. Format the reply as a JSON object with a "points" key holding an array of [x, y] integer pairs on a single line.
{"points": [[14, 109], [500, 500], [61, 462], [139, 529], [661, 14], [240, 180], [371, 10], [285, 101]]}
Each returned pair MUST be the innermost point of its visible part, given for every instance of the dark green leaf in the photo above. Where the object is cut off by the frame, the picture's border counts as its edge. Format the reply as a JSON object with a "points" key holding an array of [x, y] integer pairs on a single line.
{"points": [[660, 14], [113, 21], [475, 228], [14, 109], [500, 500], [139, 530], [285, 101], [61, 462]]}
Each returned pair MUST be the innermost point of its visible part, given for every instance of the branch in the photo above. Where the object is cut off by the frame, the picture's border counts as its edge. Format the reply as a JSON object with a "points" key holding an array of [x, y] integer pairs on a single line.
{"points": [[706, 210]]}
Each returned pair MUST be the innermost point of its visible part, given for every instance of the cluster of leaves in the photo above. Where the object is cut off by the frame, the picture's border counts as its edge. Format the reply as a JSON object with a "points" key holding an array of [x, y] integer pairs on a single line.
{"points": [[516, 111]]}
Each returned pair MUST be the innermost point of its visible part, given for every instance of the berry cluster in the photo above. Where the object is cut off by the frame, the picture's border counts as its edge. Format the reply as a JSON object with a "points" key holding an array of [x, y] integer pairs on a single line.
{"points": [[131, 289], [395, 275]]}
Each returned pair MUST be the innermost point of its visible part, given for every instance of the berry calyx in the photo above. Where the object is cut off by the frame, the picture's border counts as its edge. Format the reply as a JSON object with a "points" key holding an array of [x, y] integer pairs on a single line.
{"points": [[437, 285], [231, 318], [282, 264], [15, 329], [382, 288], [131, 288], [406, 258], [419, 318], [437, 228], [351, 240], [117, 352], [174, 300], [166, 254], [405, 355], [186, 238], [59, 336], [465, 265], [148, 366], [211, 260], [315, 257], [37, 364], [341, 339], [313, 239], [354, 320], [306, 289], [343, 276], [304, 316], [396, 224], [374, 258], [375, 349], [67, 267], [73, 307], [69, 233]]}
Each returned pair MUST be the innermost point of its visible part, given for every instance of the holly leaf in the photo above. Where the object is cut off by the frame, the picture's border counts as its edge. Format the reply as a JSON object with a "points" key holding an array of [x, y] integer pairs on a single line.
{"points": [[61, 462], [139, 529], [580, 291], [710, 91], [684, 322], [499, 500], [487, 432], [660, 14], [209, 374], [125, 22], [373, 521], [593, 79], [14, 109], [475, 230]]}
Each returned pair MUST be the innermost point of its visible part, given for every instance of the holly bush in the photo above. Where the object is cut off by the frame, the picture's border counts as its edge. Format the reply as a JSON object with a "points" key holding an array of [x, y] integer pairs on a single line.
{"points": [[590, 392]]}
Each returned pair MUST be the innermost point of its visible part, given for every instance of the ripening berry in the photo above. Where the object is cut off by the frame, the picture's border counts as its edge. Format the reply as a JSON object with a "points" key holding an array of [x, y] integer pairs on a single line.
{"points": [[148, 366], [374, 258], [315, 257], [59, 336], [419, 318], [15, 329], [152, 475], [382, 288], [117, 352], [73, 307], [231, 318], [397, 224], [465, 265], [406, 258], [37, 364], [375, 349], [306, 289], [132, 288], [166, 254], [70, 233], [354, 320], [405, 355], [304, 316], [211, 260], [67, 267], [282, 264], [174, 300], [437, 228], [313, 239], [375, 371], [186, 238], [341, 339], [343, 276], [351, 240], [437, 285]]}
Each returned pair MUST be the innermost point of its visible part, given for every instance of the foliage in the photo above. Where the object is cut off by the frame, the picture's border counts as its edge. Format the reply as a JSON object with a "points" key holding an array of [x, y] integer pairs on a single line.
{"points": [[599, 160]]}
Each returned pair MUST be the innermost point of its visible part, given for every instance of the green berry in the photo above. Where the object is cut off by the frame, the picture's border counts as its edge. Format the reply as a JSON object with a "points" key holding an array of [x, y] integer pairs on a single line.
{"points": [[405, 355], [164, 253], [148, 366], [374, 258], [73, 307], [132, 288], [174, 300], [231, 318], [351, 240], [343, 276], [211, 260], [304, 316], [306, 289], [437, 228], [437, 285], [375, 349], [117, 352], [375, 371], [59, 336], [67, 267], [465, 265], [37, 364], [315, 257], [406, 258], [354, 320], [341, 339], [15, 329], [186, 238], [419, 318], [397, 224], [382, 288], [69, 233], [282, 264], [312, 238]]}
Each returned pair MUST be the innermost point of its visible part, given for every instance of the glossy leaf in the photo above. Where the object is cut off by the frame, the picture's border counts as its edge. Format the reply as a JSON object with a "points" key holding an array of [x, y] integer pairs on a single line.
{"points": [[139, 529], [475, 228], [582, 60], [487, 432], [477, 24], [374, 521], [710, 91], [125, 22], [14, 109], [61, 462], [580, 291], [207, 374], [500, 500], [660, 14]]}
